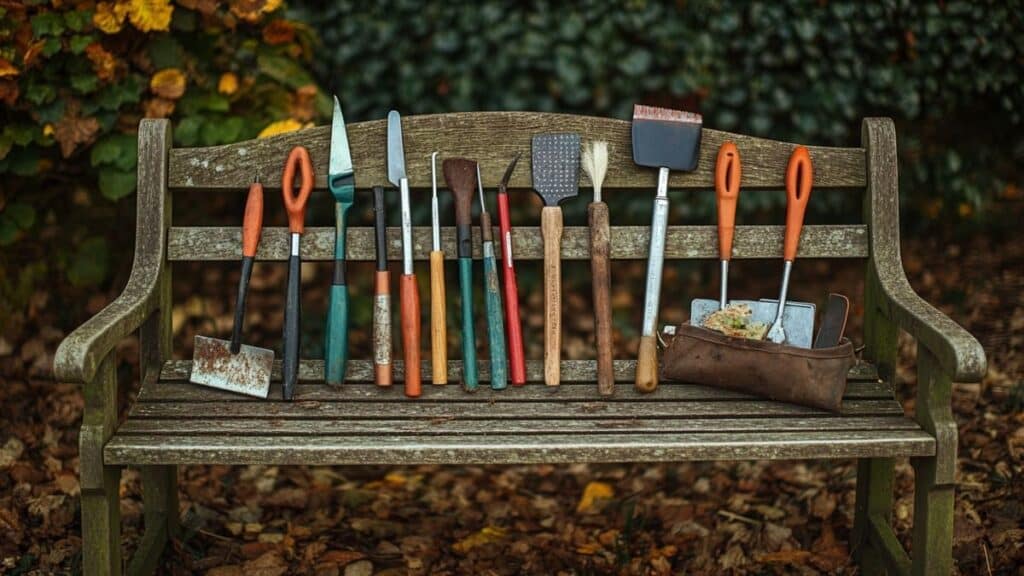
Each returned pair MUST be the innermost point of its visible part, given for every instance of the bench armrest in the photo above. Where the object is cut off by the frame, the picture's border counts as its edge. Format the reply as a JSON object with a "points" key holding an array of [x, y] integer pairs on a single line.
{"points": [[80, 354], [959, 354], [958, 351]]}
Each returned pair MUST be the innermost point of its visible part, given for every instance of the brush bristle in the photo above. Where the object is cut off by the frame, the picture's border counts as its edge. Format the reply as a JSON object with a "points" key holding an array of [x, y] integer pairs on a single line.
{"points": [[595, 164], [641, 112]]}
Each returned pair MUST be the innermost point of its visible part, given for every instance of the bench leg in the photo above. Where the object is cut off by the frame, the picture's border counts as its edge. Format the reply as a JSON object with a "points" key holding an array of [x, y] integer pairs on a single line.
{"points": [[874, 499], [101, 521], [934, 477], [160, 505]]}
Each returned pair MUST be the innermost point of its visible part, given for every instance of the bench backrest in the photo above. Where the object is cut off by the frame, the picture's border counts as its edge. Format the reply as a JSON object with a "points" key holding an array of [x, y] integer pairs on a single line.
{"points": [[492, 138]]}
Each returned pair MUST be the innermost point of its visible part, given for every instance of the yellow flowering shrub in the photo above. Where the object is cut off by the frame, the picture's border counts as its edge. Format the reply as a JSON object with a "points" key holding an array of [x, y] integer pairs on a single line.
{"points": [[76, 76]]}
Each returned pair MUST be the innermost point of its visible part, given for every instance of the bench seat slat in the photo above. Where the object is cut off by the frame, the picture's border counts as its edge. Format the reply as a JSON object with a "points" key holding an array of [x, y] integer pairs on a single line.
{"points": [[553, 410], [199, 243], [576, 392], [362, 427], [518, 449], [361, 370]]}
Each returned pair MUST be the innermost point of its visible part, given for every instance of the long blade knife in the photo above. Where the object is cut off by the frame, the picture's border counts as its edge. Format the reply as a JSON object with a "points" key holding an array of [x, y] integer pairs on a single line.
{"points": [[341, 181], [408, 289]]}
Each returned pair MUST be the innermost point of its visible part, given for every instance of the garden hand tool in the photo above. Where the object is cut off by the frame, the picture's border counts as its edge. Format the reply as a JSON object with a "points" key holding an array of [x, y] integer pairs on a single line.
{"points": [[799, 178], [667, 140], [438, 320], [295, 205], [459, 173], [234, 366], [556, 173], [492, 297], [408, 290], [728, 173], [381, 294], [341, 181], [516, 357], [833, 322], [595, 164]]}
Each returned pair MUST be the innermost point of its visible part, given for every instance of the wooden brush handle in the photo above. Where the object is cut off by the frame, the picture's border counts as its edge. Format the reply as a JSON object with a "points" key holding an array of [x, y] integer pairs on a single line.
{"points": [[551, 232], [410, 303], [601, 276], [647, 364], [438, 319], [382, 328]]}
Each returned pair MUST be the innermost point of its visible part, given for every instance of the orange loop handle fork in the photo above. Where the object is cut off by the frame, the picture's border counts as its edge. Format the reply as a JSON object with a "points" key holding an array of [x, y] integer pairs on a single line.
{"points": [[295, 204], [799, 179]]}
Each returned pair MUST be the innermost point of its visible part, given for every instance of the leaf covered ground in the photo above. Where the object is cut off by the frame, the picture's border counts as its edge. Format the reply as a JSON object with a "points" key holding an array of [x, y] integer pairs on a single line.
{"points": [[701, 518]]}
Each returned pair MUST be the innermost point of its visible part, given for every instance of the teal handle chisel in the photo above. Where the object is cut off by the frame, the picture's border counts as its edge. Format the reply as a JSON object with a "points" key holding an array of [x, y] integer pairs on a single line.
{"points": [[492, 297], [341, 181]]}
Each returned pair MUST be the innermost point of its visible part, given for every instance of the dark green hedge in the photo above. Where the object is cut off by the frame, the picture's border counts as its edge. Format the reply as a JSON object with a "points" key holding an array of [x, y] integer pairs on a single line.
{"points": [[950, 73]]}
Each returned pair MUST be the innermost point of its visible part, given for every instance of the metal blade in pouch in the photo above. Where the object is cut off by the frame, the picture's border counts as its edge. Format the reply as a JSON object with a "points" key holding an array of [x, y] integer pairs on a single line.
{"points": [[247, 372], [556, 166], [798, 317]]}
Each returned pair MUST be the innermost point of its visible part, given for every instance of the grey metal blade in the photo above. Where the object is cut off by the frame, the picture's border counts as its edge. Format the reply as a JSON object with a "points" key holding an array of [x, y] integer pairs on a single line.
{"points": [[556, 166], [247, 372], [341, 157], [396, 151]]}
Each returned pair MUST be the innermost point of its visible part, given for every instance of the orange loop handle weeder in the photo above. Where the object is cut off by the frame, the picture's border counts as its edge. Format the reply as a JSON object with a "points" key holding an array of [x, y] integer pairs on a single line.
{"points": [[295, 205]]}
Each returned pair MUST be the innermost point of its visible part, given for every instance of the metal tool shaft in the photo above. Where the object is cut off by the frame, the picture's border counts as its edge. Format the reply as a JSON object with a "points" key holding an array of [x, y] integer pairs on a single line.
{"points": [[655, 261], [406, 228], [777, 333], [723, 294], [435, 218]]}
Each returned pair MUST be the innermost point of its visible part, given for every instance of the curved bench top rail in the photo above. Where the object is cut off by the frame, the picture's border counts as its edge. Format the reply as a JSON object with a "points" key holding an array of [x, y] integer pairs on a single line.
{"points": [[492, 138], [627, 243]]}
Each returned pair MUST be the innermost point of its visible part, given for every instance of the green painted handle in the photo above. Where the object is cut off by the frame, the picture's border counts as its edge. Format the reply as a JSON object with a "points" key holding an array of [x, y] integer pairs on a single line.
{"points": [[336, 343], [495, 325], [469, 376]]}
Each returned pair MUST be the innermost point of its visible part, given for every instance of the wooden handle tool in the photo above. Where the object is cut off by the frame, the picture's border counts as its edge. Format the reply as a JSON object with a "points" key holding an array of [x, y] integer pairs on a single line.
{"points": [[460, 174], [728, 173], [381, 295], [595, 164], [556, 169], [438, 313], [295, 205]]}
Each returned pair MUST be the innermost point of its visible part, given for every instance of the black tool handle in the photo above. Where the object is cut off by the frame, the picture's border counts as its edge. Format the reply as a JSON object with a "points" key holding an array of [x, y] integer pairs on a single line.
{"points": [[380, 228], [290, 369], [243, 289]]}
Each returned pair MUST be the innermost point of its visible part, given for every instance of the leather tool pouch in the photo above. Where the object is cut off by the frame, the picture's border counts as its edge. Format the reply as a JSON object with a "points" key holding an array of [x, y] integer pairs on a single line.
{"points": [[811, 377]]}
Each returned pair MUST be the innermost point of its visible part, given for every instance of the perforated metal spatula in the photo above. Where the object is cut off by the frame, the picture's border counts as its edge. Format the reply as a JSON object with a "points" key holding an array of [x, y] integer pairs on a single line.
{"points": [[556, 175]]}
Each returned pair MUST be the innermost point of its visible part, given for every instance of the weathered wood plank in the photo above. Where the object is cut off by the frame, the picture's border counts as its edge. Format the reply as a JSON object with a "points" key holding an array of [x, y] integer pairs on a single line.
{"points": [[279, 427], [555, 410], [492, 138], [359, 370], [628, 243], [346, 450], [369, 392]]}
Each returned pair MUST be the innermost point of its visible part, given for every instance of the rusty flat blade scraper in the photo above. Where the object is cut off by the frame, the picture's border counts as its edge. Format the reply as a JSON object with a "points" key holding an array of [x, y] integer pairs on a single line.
{"points": [[234, 366]]}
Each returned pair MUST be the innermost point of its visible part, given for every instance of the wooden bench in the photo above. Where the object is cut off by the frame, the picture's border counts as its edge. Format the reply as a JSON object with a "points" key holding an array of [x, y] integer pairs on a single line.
{"points": [[174, 422]]}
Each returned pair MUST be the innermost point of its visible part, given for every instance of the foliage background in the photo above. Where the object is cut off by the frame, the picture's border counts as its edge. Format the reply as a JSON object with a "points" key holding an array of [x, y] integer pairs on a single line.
{"points": [[76, 76]]}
